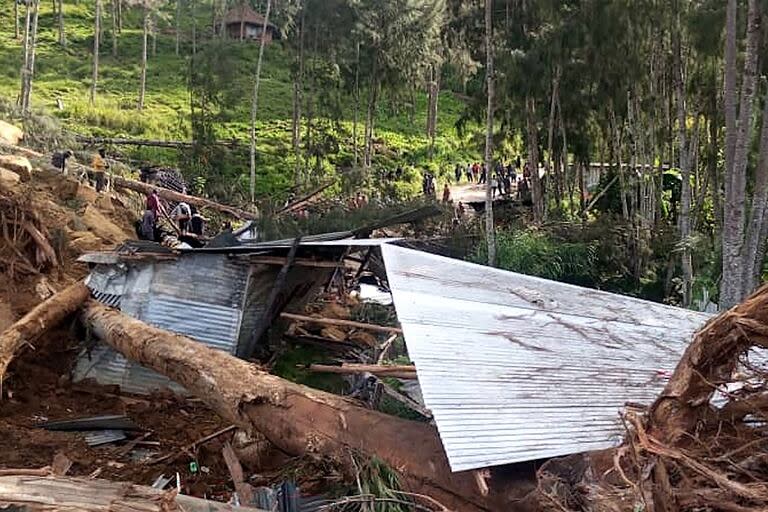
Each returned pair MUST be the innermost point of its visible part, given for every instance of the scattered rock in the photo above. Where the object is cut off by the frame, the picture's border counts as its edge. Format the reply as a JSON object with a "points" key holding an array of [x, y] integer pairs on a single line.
{"points": [[10, 134], [18, 164], [9, 176], [104, 203], [67, 189], [87, 193], [85, 241], [102, 227]]}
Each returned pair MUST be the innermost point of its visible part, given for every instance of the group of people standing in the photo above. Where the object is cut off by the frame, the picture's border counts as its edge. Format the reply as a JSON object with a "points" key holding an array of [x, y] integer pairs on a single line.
{"points": [[502, 179]]}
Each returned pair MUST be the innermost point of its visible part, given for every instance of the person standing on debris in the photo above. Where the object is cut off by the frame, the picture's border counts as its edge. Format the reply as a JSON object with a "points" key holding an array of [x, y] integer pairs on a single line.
{"points": [[457, 173], [99, 165], [181, 216], [155, 206], [468, 172], [494, 185], [59, 160], [146, 227], [446, 193]]}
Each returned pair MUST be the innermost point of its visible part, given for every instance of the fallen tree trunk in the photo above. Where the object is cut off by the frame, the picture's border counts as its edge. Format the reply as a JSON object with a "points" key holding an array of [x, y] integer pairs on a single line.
{"points": [[176, 144], [171, 195], [380, 370], [35, 493], [343, 323], [137, 186], [297, 419], [42, 318]]}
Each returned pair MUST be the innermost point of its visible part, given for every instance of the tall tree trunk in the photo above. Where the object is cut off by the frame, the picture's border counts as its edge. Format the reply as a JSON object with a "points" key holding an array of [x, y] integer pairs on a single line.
{"points": [[738, 137], [490, 232], [684, 219], [255, 104], [16, 30], [192, 14], [25, 49], [96, 30], [371, 115], [298, 90], [60, 20], [533, 159], [119, 16], [30, 74], [355, 147], [432, 103], [223, 20], [115, 30], [143, 76], [757, 226], [178, 26], [154, 34], [549, 166]]}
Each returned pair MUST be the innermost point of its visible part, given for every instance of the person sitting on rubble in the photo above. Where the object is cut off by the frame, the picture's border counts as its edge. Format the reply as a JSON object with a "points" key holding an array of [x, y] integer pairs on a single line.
{"points": [[59, 160], [99, 165], [181, 215]]}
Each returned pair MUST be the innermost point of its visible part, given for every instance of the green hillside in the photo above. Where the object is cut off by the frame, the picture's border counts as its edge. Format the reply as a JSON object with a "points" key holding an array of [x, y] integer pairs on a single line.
{"points": [[65, 74]]}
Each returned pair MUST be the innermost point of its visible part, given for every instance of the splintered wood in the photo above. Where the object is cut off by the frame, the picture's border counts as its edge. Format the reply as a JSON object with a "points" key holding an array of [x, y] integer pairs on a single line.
{"points": [[690, 452]]}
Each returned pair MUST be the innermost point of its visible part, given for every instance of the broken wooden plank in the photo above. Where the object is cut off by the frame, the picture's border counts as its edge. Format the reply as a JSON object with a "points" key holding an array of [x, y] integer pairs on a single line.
{"points": [[43, 317], [298, 262], [194, 444], [344, 323], [303, 200], [296, 419], [380, 370], [43, 493], [243, 489]]}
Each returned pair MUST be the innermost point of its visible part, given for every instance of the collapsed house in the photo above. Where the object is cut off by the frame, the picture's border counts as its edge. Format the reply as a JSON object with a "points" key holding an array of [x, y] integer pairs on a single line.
{"points": [[513, 368], [221, 296]]}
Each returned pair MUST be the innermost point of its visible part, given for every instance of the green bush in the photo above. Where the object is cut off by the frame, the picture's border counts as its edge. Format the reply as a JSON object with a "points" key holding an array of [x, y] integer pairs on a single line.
{"points": [[538, 254]]}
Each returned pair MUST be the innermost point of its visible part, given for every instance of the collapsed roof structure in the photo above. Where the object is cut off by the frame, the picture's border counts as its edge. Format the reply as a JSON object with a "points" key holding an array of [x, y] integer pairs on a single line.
{"points": [[514, 368]]}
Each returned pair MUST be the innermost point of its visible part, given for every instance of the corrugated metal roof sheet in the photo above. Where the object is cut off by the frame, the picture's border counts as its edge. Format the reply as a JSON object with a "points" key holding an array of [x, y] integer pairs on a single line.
{"points": [[199, 295], [518, 368]]}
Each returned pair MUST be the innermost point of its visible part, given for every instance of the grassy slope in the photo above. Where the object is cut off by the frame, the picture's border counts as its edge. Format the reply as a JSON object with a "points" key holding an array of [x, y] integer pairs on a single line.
{"points": [[66, 74]]}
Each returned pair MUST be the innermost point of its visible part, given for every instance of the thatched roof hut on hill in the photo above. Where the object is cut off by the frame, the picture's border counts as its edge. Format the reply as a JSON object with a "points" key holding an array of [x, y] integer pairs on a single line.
{"points": [[242, 22]]}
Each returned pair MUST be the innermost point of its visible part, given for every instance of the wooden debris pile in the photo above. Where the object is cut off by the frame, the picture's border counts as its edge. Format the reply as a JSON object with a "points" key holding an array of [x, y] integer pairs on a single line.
{"points": [[702, 445], [26, 246]]}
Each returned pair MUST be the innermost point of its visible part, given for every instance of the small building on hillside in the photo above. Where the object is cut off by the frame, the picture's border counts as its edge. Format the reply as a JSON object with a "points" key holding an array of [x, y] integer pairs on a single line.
{"points": [[242, 22]]}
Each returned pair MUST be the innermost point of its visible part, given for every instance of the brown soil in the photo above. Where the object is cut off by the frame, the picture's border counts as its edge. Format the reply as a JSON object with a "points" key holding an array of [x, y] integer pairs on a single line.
{"points": [[39, 390]]}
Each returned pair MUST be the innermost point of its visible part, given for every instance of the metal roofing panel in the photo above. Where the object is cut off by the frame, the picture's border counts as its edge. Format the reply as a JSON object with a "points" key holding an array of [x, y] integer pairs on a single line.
{"points": [[518, 368], [211, 278], [216, 326]]}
